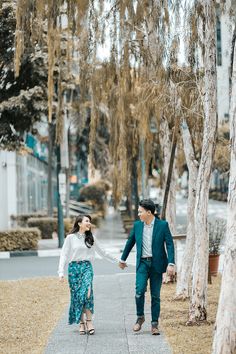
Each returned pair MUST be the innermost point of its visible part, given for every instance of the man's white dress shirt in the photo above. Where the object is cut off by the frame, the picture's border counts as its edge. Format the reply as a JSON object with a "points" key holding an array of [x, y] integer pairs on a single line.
{"points": [[147, 239]]}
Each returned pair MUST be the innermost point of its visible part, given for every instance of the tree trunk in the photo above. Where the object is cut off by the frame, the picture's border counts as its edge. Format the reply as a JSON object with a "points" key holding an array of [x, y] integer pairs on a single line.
{"points": [[170, 168], [185, 272], [225, 329], [198, 304], [166, 148]]}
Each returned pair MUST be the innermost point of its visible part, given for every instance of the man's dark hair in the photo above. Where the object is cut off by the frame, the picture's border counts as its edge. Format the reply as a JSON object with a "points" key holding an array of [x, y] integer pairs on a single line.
{"points": [[148, 204]]}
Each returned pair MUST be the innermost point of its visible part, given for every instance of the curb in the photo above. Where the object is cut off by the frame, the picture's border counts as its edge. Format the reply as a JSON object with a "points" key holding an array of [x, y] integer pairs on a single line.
{"points": [[38, 253]]}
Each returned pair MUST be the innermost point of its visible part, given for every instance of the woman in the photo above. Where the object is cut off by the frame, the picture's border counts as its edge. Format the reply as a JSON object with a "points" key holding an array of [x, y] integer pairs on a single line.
{"points": [[78, 251]]}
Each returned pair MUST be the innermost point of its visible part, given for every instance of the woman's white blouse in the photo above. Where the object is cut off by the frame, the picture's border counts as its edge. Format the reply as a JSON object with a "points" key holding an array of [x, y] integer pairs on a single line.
{"points": [[74, 249]]}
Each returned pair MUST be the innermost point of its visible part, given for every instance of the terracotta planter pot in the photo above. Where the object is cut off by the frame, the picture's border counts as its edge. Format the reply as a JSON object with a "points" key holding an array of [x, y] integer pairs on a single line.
{"points": [[214, 263]]}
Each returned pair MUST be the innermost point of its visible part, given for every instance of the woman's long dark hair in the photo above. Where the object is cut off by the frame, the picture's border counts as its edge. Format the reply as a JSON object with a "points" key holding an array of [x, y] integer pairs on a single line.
{"points": [[89, 240]]}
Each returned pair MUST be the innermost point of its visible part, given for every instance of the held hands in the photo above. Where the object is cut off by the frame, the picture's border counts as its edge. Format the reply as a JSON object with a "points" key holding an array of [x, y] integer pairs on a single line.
{"points": [[122, 265], [61, 279], [170, 270]]}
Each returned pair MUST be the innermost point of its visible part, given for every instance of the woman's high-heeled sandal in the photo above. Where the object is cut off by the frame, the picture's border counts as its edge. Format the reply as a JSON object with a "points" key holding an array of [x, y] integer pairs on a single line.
{"points": [[91, 330], [82, 329]]}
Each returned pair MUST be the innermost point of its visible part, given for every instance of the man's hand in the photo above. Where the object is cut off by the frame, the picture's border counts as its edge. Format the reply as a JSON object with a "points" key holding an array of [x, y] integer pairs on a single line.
{"points": [[170, 270], [122, 265]]}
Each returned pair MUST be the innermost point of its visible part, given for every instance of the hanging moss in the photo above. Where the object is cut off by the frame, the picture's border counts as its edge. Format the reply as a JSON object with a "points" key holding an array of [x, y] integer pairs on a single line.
{"points": [[140, 82]]}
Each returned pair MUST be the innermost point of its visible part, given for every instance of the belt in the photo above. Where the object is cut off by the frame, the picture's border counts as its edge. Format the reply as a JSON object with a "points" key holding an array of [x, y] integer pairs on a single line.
{"points": [[147, 258]]}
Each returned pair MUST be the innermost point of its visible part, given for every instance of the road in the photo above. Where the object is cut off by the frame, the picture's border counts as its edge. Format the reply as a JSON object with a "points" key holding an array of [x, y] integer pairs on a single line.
{"points": [[216, 209], [29, 267]]}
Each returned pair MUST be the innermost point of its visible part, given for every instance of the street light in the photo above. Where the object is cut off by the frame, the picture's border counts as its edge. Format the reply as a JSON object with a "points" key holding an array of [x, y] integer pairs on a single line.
{"points": [[59, 206]]}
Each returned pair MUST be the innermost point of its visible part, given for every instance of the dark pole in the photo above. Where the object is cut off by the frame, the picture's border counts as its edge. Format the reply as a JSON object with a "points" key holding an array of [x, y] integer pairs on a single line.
{"points": [[143, 168], [50, 154], [135, 185], [170, 169], [60, 221]]}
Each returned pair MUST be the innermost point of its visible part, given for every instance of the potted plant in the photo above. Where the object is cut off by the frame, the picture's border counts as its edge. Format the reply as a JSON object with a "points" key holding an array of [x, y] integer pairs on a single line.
{"points": [[214, 255], [217, 229]]}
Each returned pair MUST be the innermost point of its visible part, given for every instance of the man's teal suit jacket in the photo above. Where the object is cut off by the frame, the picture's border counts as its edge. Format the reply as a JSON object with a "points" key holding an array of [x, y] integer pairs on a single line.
{"points": [[161, 236]]}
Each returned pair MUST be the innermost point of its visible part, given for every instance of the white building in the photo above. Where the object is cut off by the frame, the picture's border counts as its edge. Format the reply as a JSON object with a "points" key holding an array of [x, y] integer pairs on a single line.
{"points": [[23, 186]]}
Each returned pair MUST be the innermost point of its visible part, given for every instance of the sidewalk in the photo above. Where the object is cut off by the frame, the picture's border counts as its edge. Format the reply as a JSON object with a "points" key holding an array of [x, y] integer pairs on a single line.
{"points": [[113, 321], [114, 310]]}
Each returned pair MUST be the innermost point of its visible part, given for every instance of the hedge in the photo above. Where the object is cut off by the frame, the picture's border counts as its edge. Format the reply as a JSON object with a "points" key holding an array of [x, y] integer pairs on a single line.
{"points": [[22, 219], [19, 239], [48, 225]]}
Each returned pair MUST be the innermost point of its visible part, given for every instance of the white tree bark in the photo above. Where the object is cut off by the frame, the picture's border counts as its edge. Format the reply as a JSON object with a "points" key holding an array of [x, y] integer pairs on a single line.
{"points": [[198, 303], [166, 148], [185, 272], [225, 329]]}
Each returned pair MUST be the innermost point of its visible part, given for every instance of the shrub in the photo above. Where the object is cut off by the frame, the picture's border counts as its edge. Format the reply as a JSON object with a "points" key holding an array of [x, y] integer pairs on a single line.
{"points": [[217, 231], [96, 194], [48, 225], [22, 219], [92, 193], [19, 239], [103, 185], [68, 225]]}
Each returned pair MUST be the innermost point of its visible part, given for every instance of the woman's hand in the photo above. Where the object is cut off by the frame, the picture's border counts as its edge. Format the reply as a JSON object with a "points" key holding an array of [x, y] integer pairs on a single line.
{"points": [[61, 278], [122, 265]]}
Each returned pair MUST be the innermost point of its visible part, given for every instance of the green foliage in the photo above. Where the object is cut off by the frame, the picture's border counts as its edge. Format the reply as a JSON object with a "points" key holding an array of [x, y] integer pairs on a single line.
{"points": [[96, 194], [19, 239], [22, 99]]}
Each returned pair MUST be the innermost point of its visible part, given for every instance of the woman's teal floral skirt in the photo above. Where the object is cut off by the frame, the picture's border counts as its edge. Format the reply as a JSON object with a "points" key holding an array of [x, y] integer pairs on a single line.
{"points": [[80, 278]]}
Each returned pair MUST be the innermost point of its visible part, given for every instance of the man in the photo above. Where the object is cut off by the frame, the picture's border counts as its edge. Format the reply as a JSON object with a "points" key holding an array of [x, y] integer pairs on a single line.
{"points": [[152, 237]]}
